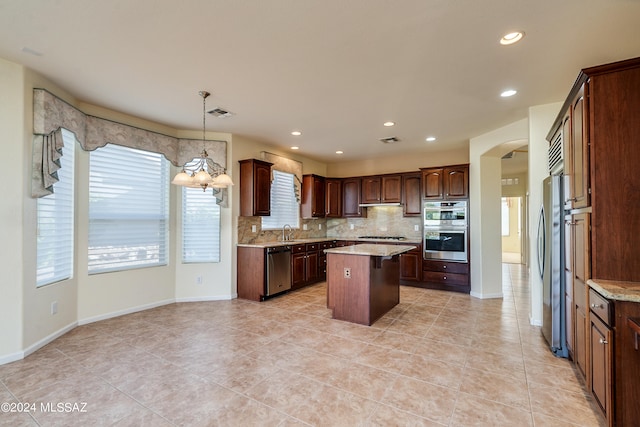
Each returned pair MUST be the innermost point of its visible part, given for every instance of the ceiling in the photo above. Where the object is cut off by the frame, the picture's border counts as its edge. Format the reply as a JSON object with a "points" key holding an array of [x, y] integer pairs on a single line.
{"points": [[333, 69]]}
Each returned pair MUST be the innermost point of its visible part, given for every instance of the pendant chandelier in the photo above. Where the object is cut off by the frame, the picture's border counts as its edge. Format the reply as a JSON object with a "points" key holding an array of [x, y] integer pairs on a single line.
{"points": [[203, 172]]}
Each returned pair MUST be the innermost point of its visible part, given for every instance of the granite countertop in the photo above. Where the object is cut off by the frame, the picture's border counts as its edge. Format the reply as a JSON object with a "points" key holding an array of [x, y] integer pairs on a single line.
{"points": [[323, 239], [370, 249], [616, 290]]}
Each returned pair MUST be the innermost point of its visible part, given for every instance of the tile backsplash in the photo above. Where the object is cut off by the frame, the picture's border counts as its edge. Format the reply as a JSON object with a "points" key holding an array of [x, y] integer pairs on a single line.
{"points": [[380, 221]]}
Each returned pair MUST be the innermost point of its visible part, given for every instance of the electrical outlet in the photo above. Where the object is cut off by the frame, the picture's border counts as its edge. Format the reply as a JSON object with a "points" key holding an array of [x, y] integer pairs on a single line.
{"points": [[198, 280], [305, 227], [319, 226], [54, 307], [416, 227], [347, 273], [351, 226], [254, 228]]}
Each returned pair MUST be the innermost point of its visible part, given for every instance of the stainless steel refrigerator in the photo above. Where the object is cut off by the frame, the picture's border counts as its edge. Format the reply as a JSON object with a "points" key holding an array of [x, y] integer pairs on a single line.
{"points": [[550, 268]]}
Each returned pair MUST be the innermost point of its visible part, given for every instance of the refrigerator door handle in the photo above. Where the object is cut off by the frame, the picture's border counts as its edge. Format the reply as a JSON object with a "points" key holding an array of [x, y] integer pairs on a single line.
{"points": [[541, 242]]}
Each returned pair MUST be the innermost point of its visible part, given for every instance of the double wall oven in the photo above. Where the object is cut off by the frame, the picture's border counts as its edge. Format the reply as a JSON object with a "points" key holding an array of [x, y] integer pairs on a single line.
{"points": [[445, 230]]}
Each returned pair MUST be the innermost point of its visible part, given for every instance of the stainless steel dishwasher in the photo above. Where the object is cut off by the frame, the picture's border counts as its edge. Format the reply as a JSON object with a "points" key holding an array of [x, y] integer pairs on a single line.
{"points": [[278, 270]]}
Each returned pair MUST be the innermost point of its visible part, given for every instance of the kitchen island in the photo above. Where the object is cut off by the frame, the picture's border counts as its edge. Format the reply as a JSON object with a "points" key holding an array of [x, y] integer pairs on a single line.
{"points": [[363, 281]]}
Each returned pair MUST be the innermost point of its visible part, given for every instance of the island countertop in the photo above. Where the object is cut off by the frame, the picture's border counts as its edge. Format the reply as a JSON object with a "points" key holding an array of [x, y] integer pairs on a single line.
{"points": [[616, 290], [371, 250]]}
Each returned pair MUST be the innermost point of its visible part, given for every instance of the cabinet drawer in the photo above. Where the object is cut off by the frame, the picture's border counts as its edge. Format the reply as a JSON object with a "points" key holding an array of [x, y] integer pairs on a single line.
{"points": [[600, 307], [446, 267], [327, 245], [445, 278], [298, 248], [312, 247]]}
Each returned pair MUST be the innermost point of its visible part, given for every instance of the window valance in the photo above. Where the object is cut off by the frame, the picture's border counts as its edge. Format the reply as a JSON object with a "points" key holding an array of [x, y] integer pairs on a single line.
{"points": [[284, 164], [51, 113]]}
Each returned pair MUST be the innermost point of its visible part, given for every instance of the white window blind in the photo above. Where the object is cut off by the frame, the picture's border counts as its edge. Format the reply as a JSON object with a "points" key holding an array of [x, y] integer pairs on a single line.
{"points": [[128, 209], [284, 206], [200, 226], [54, 247]]}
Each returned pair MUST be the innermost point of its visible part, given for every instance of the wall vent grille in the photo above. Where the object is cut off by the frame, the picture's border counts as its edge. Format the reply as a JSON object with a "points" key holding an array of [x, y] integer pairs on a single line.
{"points": [[556, 155]]}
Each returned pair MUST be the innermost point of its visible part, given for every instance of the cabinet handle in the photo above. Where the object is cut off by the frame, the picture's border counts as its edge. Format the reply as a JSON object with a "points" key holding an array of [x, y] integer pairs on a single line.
{"points": [[445, 277], [602, 341], [600, 306], [444, 266], [570, 223]]}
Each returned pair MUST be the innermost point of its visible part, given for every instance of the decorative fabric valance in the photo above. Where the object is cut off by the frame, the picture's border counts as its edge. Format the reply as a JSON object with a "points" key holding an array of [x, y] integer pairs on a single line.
{"points": [[51, 113], [284, 164]]}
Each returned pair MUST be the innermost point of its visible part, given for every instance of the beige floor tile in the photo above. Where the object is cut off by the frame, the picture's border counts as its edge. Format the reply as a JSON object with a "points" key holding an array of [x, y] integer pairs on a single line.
{"points": [[450, 353], [285, 391], [474, 411], [383, 358], [434, 371], [502, 389], [334, 407], [565, 405], [362, 380], [422, 399], [385, 416]]}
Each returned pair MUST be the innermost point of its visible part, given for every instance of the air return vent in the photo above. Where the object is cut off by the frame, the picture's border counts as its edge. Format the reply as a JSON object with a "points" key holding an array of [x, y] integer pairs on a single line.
{"points": [[556, 155], [219, 112], [389, 140]]}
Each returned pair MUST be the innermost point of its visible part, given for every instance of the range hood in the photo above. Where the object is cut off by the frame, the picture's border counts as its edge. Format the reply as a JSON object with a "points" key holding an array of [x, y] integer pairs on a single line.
{"points": [[366, 205]]}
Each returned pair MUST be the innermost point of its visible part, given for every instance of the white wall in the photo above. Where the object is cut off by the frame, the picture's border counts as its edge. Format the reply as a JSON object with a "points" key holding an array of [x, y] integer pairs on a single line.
{"points": [[540, 121], [484, 198], [12, 187]]}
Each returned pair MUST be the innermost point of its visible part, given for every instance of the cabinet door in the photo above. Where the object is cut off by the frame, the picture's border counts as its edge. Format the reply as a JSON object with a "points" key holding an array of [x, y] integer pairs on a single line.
{"points": [[456, 182], [411, 194], [567, 146], [312, 267], [568, 275], [333, 198], [580, 152], [313, 197], [432, 182], [391, 189], [298, 262], [411, 266], [601, 346], [371, 189], [580, 350], [255, 188], [351, 198], [582, 248]]}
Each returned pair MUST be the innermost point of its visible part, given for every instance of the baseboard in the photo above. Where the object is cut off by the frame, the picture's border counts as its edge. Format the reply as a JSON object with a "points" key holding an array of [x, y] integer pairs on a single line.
{"points": [[37, 346], [130, 310], [486, 296], [534, 322], [211, 298]]}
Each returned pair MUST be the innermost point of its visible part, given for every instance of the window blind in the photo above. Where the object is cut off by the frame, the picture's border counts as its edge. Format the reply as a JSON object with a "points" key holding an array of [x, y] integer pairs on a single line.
{"points": [[200, 226], [128, 209], [284, 206], [55, 220]]}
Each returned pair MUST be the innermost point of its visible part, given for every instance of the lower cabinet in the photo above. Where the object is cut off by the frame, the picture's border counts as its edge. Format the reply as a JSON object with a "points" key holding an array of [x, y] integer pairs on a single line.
{"points": [[308, 263], [601, 345], [411, 265], [447, 275], [581, 310]]}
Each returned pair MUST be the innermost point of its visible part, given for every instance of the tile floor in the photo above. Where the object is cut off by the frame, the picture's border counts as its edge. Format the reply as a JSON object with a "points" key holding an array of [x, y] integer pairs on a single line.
{"points": [[437, 359]]}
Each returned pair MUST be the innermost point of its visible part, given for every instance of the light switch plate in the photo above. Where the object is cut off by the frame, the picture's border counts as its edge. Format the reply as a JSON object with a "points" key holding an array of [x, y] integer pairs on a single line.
{"points": [[305, 227], [254, 228], [416, 227]]}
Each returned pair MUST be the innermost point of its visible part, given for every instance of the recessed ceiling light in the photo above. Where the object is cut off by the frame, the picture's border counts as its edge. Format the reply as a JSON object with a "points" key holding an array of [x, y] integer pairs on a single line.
{"points": [[339, 152], [430, 138], [295, 148], [508, 93], [387, 124], [511, 38], [296, 133]]}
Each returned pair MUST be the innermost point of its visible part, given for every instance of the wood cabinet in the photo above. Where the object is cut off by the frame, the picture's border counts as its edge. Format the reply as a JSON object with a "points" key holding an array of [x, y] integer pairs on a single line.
{"points": [[581, 351], [382, 189], [568, 294], [446, 275], [255, 188], [333, 197], [322, 258], [411, 194], [351, 193], [305, 268], [411, 265], [626, 356], [313, 196], [577, 242], [446, 183], [600, 355]]}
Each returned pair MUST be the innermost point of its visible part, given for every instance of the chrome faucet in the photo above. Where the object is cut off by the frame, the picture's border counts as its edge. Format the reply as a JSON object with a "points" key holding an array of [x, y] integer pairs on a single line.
{"points": [[288, 237]]}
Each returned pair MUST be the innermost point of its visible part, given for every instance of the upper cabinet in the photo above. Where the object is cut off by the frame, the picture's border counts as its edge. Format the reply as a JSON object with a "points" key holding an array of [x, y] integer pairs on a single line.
{"points": [[313, 196], [255, 188], [333, 197], [382, 189], [447, 183], [351, 198], [412, 194]]}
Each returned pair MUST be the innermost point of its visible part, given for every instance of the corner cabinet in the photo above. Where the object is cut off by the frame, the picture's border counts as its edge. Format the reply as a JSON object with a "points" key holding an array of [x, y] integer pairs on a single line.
{"points": [[313, 197], [446, 183], [255, 187]]}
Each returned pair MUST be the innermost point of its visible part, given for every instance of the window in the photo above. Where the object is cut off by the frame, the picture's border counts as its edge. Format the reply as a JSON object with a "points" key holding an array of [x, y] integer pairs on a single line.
{"points": [[200, 226], [284, 206], [54, 247], [128, 209]]}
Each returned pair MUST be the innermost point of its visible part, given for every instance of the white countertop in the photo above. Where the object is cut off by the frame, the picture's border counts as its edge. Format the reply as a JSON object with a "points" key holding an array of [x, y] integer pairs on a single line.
{"points": [[370, 249]]}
